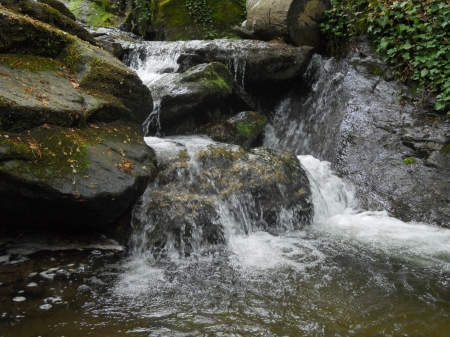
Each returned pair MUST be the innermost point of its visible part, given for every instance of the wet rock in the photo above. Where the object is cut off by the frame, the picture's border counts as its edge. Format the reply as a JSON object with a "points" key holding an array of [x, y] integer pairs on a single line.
{"points": [[241, 129], [394, 152], [90, 177], [252, 63], [191, 94], [205, 189], [245, 33], [258, 61], [111, 45], [187, 61]]}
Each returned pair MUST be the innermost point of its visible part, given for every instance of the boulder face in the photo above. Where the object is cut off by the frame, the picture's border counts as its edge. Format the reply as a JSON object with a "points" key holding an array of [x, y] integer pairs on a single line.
{"points": [[79, 84], [297, 21], [54, 149], [355, 116], [206, 190], [184, 100], [53, 177]]}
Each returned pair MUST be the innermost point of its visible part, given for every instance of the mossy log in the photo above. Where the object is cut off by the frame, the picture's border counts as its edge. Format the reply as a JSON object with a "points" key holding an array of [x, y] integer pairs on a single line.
{"points": [[297, 21]]}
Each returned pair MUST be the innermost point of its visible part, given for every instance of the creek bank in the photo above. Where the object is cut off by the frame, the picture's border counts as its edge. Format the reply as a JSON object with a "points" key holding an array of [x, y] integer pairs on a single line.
{"points": [[71, 149], [354, 115]]}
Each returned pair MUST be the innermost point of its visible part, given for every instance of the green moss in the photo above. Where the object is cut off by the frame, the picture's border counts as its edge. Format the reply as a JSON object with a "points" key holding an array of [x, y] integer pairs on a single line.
{"points": [[98, 13], [71, 57], [245, 129], [445, 149], [28, 36], [57, 152], [409, 160], [30, 62]]}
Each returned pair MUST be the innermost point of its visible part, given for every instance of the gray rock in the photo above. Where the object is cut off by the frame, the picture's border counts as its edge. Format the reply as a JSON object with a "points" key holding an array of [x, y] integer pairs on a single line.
{"points": [[191, 94], [367, 126], [71, 179], [203, 188], [240, 129]]}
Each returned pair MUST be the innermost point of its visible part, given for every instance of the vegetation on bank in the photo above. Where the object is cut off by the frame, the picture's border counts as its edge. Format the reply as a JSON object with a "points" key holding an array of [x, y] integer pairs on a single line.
{"points": [[413, 36], [200, 18]]}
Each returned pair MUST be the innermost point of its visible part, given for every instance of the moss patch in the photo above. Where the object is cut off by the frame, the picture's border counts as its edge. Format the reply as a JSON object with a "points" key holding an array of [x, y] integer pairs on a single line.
{"points": [[49, 152], [97, 13], [30, 62]]}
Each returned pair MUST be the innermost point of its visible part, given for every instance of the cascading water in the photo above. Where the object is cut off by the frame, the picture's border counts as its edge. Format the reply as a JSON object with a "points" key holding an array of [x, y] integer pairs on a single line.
{"points": [[351, 272]]}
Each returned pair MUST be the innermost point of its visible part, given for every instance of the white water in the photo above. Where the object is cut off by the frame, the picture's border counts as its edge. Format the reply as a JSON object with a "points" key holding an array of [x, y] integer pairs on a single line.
{"points": [[346, 254]]}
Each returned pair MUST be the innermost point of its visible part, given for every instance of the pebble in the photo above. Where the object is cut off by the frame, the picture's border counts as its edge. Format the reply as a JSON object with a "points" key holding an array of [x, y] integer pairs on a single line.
{"points": [[45, 306], [19, 299], [32, 284]]}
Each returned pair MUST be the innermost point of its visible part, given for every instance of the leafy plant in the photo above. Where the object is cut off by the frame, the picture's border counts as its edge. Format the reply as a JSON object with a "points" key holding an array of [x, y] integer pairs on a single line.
{"points": [[412, 35], [409, 160]]}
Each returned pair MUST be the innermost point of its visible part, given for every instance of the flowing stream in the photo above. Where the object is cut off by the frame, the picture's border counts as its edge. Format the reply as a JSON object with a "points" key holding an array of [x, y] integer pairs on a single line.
{"points": [[352, 272]]}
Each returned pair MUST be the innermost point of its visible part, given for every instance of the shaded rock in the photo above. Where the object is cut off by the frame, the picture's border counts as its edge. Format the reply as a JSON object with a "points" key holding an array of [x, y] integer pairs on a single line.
{"points": [[241, 129], [192, 93], [205, 190], [54, 177], [44, 13], [245, 33], [60, 7], [187, 61], [111, 45], [369, 128]]}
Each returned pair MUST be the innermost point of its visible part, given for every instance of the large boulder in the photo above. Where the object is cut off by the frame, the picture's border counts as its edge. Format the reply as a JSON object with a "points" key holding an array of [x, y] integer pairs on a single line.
{"points": [[205, 190], [72, 179], [58, 163], [297, 21], [69, 83], [184, 100], [354, 115]]}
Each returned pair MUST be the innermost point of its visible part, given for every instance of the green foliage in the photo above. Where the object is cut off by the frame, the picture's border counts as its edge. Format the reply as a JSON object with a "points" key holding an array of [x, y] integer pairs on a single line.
{"points": [[145, 9], [408, 160], [202, 14], [412, 35], [243, 4]]}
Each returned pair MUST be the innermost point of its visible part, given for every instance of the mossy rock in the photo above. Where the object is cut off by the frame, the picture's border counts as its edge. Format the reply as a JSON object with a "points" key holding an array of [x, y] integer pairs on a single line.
{"points": [[260, 189], [60, 7], [193, 93], [241, 129], [79, 178], [80, 85], [44, 13]]}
